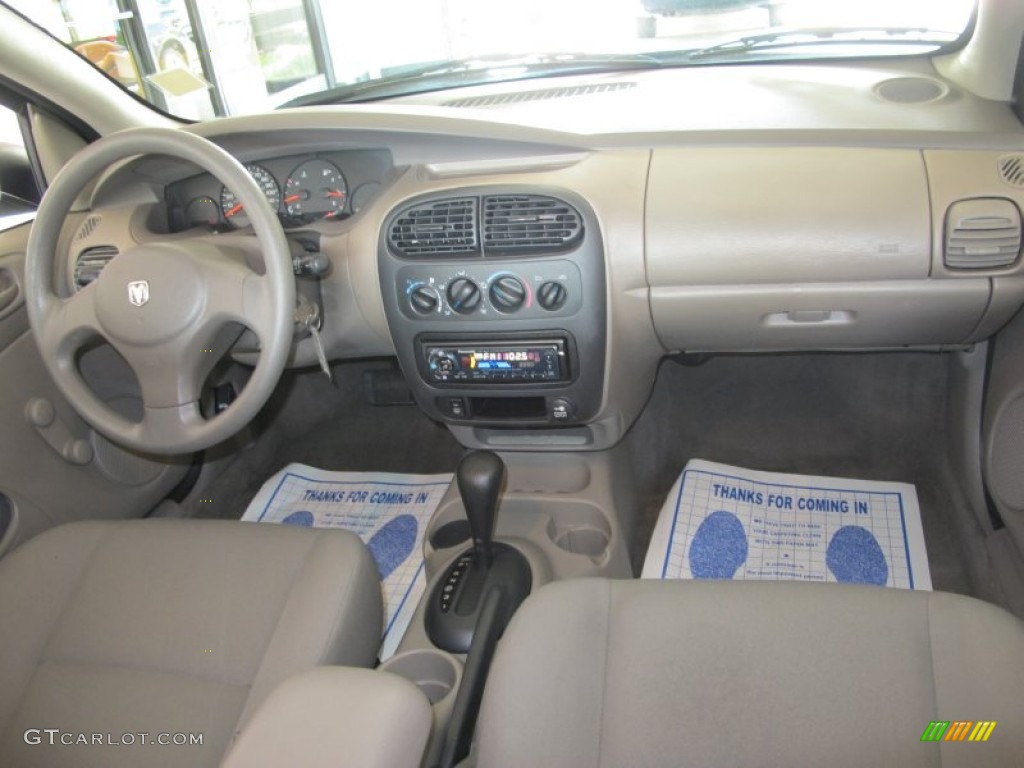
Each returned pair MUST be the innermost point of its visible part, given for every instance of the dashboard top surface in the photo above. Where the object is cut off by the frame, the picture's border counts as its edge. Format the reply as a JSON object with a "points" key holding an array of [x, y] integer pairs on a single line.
{"points": [[734, 209]]}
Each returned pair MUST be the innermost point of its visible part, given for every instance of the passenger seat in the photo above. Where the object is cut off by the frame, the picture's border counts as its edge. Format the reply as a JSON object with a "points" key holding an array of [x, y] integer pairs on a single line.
{"points": [[600, 673]]}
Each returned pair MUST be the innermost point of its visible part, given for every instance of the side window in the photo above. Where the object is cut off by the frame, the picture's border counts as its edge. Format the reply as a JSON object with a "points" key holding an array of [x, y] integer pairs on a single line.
{"points": [[19, 194]]}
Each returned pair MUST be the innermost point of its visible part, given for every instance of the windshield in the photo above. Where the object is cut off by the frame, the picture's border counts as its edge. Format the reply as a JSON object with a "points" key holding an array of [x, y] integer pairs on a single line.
{"points": [[201, 59]]}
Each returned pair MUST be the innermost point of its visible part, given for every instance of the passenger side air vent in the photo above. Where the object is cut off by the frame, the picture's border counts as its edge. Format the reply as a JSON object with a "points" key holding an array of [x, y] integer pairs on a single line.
{"points": [[441, 228], [1011, 168], [523, 223], [91, 262], [982, 234]]}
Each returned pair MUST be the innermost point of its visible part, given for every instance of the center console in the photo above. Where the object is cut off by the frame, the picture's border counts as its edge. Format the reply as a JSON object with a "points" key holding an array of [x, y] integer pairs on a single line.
{"points": [[495, 298], [507, 525]]}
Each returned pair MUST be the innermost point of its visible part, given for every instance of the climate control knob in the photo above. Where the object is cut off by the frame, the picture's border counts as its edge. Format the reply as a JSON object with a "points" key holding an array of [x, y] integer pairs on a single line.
{"points": [[552, 295], [507, 293], [463, 295], [424, 299]]}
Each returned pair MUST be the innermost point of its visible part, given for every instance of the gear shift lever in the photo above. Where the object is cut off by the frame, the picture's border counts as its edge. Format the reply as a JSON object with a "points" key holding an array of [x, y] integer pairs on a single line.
{"points": [[458, 596], [480, 477]]}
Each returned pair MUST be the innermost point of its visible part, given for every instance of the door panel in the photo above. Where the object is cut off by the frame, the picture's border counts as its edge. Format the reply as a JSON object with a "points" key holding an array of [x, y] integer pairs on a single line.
{"points": [[58, 469]]}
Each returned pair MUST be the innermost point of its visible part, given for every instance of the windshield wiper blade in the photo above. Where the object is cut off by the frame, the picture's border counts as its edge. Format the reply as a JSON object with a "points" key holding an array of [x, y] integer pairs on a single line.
{"points": [[795, 38], [441, 75]]}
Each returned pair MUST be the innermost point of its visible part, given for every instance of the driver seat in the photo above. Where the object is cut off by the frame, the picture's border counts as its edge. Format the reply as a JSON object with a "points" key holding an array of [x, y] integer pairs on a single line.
{"points": [[162, 627]]}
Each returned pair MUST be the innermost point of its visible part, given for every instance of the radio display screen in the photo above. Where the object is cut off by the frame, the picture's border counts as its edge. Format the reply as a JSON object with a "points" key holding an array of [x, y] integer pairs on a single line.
{"points": [[515, 362]]}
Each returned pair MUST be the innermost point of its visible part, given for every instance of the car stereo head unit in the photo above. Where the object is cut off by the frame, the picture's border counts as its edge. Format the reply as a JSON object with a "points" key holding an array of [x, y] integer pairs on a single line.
{"points": [[496, 362]]}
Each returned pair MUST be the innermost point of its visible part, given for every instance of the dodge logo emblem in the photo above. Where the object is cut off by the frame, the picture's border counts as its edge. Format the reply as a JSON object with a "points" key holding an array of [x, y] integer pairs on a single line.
{"points": [[138, 293]]}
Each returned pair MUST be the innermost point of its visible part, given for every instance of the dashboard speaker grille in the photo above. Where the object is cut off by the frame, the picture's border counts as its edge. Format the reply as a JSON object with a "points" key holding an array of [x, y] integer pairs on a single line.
{"points": [[982, 234], [911, 90], [440, 228], [1011, 168], [91, 262], [87, 227], [523, 223]]}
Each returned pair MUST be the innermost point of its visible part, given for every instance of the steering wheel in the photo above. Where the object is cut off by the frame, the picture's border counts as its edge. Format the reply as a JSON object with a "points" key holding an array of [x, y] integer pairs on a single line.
{"points": [[166, 307]]}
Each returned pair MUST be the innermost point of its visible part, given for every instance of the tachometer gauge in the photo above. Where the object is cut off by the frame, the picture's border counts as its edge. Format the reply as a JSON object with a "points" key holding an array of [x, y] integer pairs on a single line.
{"points": [[315, 190], [232, 209]]}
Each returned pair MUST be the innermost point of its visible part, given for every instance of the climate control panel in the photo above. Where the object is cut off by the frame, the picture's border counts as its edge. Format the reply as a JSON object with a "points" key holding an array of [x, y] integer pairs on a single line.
{"points": [[532, 290]]}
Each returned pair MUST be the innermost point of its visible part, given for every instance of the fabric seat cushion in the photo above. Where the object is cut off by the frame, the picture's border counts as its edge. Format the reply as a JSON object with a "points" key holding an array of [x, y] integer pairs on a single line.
{"points": [[646, 673], [168, 626]]}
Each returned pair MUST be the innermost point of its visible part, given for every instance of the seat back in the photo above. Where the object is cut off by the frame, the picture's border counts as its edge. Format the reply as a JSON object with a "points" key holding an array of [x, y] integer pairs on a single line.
{"points": [[648, 673], [169, 627]]}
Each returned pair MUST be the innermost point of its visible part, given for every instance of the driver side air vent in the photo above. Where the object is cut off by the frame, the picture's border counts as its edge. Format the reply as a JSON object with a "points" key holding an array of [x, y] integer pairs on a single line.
{"points": [[982, 234], [523, 223], [91, 262], [440, 228]]}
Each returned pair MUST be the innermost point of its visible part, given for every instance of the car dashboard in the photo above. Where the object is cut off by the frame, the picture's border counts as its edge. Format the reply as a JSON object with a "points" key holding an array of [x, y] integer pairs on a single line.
{"points": [[529, 252]]}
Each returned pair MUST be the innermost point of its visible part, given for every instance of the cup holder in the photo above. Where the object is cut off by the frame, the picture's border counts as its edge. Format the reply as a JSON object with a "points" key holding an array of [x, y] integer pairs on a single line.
{"points": [[580, 529], [451, 534], [591, 542], [436, 673]]}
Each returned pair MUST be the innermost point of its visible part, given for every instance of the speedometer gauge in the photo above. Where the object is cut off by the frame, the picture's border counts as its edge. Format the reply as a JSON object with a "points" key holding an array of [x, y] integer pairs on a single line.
{"points": [[315, 190], [232, 209]]}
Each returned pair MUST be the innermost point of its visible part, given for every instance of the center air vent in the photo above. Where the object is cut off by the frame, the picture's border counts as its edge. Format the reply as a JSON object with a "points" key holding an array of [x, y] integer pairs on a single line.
{"points": [[441, 228], [91, 262], [523, 223], [982, 234]]}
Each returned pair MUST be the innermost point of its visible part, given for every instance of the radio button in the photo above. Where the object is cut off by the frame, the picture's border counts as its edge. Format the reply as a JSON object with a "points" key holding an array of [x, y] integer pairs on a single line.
{"points": [[441, 365]]}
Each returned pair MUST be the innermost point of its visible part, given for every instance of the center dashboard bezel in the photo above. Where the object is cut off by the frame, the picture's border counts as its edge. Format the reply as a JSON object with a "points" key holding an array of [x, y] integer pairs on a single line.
{"points": [[581, 322]]}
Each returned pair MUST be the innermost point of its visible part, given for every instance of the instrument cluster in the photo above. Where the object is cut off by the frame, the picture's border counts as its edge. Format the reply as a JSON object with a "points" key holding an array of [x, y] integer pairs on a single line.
{"points": [[303, 190]]}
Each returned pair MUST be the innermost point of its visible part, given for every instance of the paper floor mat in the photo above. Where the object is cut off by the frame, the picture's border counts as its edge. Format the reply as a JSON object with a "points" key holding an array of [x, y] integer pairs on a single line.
{"points": [[722, 522], [388, 511]]}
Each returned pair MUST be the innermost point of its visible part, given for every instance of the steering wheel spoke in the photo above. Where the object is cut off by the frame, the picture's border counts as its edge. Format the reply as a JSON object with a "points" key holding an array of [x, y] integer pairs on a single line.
{"points": [[168, 375], [68, 323], [235, 294]]}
